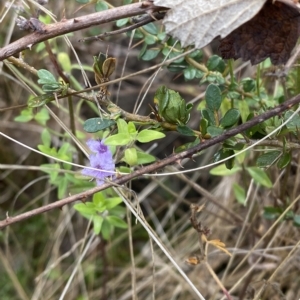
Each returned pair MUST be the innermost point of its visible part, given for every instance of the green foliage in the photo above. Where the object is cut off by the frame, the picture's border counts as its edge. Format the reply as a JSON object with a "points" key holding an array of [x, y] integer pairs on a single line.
{"points": [[105, 213], [171, 106]]}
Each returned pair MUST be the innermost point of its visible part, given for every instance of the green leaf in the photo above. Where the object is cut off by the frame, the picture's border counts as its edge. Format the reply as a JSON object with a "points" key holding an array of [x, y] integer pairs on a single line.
{"points": [[185, 130], [222, 170], [116, 222], [271, 212], [64, 60], [131, 128], [97, 222], [62, 187], [53, 172], [144, 158], [150, 39], [46, 137], [216, 63], [99, 199], [122, 126], [119, 139], [87, 208], [296, 220], [151, 28], [150, 54], [51, 88], [214, 131], [82, 1], [240, 193], [122, 22], [106, 230], [161, 36], [225, 154], [230, 118], [45, 77], [40, 100], [148, 135], [268, 159], [284, 160], [187, 145], [213, 97], [260, 176], [248, 84], [101, 5], [97, 124], [294, 123], [42, 116], [23, 118], [112, 202], [208, 115], [189, 73], [130, 156]]}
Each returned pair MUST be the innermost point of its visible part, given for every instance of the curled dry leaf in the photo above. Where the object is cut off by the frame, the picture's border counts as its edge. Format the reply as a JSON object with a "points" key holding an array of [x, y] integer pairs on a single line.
{"points": [[273, 33], [200, 21]]}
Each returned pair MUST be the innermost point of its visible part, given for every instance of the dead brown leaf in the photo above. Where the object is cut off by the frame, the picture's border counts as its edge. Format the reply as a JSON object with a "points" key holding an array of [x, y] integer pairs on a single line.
{"points": [[273, 33]]}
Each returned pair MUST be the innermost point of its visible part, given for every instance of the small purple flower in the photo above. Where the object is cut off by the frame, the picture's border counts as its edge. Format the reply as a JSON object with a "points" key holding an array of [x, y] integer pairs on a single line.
{"points": [[101, 159]]}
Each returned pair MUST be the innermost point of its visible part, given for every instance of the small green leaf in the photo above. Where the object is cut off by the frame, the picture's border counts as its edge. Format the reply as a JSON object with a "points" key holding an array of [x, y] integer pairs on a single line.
{"points": [[148, 135], [87, 208], [224, 153], [23, 118], [216, 63], [208, 115], [97, 124], [46, 137], [116, 222], [222, 170], [130, 156], [40, 100], [151, 28], [230, 118], [240, 193], [284, 160], [161, 36], [189, 73], [213, 97], [214, 131], [106, 230], [144, 158], [53, 172], [271, 212], [150, 39], [119, 139], [150, 54], [45, 77], [101, 5], [122, 22], [42, 116], [112, 202], [260, 176], [268, 159], [122, 126], [296, 220], [294, 123], [185, 130], [62, 187], [249, 84], [131, 128], [97, 222], [64, 60], [82, 1]]}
